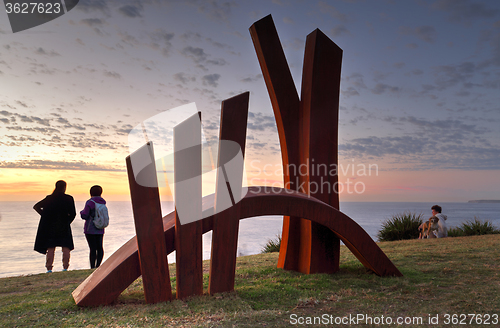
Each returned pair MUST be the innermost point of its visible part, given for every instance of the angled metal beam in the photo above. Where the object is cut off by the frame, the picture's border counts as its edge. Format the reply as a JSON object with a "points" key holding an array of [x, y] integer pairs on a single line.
{"points": [[188, 236], [148, 226], [232, 132], [286, 106], [319, 148]]}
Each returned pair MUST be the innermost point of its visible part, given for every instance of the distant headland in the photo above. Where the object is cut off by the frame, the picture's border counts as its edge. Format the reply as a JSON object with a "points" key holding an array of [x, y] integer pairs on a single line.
{"points": [[484, 201]]}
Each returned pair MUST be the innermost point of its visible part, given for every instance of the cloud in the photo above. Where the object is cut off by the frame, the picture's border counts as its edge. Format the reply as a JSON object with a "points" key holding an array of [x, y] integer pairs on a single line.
{"points": [[257, 145], [217, 62], [160, 35], [441, 128], [62, 120], [37, 68], [196, 54], [41, 121], [22, 103], [124, 130], [380, 76], [26, 119], [3, 62], [47, 131], [349, 92], [129, 39], [450, 75], [22, 138], [465, 11], [425, 33], [160, 40], [92, 22], [288, 20], [184, 78], [261, 122], [339, 30], [355, 79], [217, 44], [210, 125], [199, 56], [41, 51], [190, 35], [381, 88], [295, 44], [429, 144], [114, 75], [210, 79], [67, 125], [462, 93], [332, 11], [96, 126], [56, 165], [131, 11], [217, 11], [255, 78], [93, 5]]}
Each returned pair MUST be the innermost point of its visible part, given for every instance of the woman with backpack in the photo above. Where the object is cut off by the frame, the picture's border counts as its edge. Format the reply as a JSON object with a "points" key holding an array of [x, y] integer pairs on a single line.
{"points": [[94, 228], [57, 211]]}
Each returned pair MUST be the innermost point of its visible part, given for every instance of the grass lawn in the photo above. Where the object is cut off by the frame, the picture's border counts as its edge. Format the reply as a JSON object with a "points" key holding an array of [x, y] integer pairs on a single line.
{"points": [[441, 276]]}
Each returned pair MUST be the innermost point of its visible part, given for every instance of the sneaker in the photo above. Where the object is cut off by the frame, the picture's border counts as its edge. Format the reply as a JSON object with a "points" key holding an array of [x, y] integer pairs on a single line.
{"points": [[49, 271], [65, 270]]}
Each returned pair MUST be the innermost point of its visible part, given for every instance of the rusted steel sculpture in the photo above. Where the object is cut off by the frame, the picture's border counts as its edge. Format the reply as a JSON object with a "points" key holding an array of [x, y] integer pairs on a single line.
{"points": [[314, 225], [308, 133]]}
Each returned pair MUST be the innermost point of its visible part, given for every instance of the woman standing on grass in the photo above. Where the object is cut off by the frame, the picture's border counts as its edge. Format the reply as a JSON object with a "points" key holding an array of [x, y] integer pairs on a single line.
{"points": [[57, 212], [93, 235]]}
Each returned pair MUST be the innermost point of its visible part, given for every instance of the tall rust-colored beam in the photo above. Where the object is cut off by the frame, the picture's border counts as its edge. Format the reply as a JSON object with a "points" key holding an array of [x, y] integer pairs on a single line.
{"points": [[149, 228], [281, 88], [305, 246], [286, 106], [320, 250], [187, 190], [233, 128]]}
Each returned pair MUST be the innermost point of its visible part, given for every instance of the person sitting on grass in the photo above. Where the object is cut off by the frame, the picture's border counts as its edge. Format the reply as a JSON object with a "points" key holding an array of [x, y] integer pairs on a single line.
{"points": [[443, 230]]}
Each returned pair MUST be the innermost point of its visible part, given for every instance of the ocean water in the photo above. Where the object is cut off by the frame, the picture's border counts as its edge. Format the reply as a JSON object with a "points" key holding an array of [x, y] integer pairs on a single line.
{"points": [[19, 222]]}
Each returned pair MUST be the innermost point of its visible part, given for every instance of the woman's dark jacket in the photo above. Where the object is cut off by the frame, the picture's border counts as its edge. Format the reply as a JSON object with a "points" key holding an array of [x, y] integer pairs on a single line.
{"points": [[57, 212]]}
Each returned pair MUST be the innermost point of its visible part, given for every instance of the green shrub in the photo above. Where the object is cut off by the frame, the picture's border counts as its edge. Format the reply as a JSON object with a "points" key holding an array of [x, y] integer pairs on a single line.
{"points": [[272, 245], [400, 226], [474, 227], [455, 232]]}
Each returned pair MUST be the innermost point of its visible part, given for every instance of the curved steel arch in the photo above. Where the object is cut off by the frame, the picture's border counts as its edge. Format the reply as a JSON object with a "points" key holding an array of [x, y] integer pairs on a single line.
{"points": [[106, 283]]}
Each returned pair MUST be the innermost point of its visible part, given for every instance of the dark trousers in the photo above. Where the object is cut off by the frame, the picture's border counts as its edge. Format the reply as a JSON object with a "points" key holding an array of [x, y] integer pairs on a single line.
{"points": [[96, 250]]}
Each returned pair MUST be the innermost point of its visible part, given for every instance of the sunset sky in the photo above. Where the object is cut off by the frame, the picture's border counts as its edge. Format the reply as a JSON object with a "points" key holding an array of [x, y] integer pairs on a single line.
{"points": [[420, 96]]}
